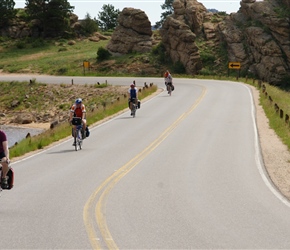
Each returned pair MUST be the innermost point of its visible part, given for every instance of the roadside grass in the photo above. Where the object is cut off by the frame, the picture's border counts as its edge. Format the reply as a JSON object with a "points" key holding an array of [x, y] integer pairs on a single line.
{"points": [[64, 129], [53, 58], [277, 123]]}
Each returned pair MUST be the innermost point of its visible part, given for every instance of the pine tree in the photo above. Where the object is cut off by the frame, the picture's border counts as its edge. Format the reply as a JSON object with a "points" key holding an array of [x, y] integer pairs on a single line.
{"points": [[7, 12], [168, 7], [108, 17], [53, 15]]}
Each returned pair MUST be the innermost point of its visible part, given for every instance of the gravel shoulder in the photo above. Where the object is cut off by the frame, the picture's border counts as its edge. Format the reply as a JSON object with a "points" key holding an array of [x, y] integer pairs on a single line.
{"points": [[276, 155]]}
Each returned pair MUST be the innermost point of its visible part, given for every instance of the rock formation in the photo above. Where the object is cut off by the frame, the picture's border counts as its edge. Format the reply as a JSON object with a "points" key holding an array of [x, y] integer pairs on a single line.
{"points": [[133, 33], [258, 38], [179, 31]]}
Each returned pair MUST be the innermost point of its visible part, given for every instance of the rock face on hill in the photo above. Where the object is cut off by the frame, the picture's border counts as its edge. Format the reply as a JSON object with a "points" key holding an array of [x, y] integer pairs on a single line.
{"points": [[133, 33], [258, 37], [179, 32]]}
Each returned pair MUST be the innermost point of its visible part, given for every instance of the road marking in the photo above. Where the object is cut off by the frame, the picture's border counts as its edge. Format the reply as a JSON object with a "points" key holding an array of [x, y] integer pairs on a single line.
{"points": [[101, 193], [259, 159]]}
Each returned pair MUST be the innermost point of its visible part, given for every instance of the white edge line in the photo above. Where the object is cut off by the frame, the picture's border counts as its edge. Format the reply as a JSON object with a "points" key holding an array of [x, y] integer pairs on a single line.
{"points": [[259, 158]]}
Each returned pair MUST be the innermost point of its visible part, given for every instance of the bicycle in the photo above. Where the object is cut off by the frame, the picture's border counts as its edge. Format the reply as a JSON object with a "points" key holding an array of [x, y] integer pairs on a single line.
{"points": [[10, 176], [77, 133], [134, 107], [169, 87]]}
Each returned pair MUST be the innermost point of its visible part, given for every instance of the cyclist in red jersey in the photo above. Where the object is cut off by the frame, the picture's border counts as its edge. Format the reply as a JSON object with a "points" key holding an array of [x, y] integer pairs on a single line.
{"points": [[78, 109]]}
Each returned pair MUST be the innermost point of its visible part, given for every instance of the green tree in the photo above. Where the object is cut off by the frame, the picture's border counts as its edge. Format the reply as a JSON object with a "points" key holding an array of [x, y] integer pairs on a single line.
{"points": [[7, 12], [108, 17], [53, 15], [89, 25], [168, 7]]}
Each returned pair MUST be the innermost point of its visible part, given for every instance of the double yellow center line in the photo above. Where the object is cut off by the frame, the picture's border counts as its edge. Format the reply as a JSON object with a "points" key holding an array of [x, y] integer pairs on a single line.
{"points": [[99, 197]]}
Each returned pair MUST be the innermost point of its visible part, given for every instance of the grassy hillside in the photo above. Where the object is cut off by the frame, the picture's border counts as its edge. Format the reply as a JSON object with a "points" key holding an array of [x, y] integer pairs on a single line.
{"points": [[47, 57]]}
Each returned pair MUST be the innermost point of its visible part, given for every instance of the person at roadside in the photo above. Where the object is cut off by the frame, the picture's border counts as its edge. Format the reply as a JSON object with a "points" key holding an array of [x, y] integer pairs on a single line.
{"points": [[168, 80], [133, 96], [78, 109], [4, 158]]}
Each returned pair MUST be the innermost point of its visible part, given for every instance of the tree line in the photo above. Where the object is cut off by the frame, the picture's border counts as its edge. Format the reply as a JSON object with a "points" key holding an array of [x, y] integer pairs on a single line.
{"points": [[53, 16]]}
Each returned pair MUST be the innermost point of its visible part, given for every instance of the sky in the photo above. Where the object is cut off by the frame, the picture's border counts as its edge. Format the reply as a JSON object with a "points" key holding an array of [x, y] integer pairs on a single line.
{"points": [[152, 8]]}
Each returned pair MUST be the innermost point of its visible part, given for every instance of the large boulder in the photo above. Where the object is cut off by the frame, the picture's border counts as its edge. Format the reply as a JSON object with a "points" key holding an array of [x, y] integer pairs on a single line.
{"points": [[179, 31], [133, 33], [190, 12]]}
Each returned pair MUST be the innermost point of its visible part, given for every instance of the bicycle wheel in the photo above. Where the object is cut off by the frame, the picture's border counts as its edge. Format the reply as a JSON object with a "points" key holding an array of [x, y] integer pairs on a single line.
{"points": [[133, 110], [169, 89], [75, 140], [79, 139]]}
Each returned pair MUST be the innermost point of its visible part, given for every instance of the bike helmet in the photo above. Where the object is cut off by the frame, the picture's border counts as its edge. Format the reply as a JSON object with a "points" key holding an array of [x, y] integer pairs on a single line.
{"points": [[132, 85], [79, 101]]}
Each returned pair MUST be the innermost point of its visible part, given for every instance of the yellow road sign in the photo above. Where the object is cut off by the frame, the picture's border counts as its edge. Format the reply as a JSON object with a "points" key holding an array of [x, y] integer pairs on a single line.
{"points": [[86, 64], [234, 65]]}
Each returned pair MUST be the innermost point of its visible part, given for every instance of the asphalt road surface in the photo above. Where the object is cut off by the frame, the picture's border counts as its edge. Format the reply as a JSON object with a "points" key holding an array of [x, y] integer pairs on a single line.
{"points": [[185, 173]]}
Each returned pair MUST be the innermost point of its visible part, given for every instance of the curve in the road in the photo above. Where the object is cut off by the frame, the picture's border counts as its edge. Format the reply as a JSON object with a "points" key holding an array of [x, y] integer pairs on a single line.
{"points": [[99, 197]]}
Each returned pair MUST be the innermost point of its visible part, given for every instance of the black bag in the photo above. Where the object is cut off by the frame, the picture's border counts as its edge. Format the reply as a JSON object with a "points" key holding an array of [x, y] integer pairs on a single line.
{"points": [[172, 88], [87, 131], [10, 176], [139, 104], [76, 121]]}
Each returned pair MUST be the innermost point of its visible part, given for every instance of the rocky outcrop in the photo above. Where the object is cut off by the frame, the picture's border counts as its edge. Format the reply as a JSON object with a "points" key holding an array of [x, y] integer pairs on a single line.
{"points": [[179, 32], [179, 42], [258, 37], [133, 33]]}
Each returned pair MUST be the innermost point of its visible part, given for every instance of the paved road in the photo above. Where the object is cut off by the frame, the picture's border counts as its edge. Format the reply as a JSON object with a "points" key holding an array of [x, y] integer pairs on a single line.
{"points": [[185, 173]]}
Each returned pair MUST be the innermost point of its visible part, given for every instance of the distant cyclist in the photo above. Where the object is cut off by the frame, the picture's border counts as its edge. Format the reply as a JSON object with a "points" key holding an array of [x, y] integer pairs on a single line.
{"points": [[4, 157], [168, 79], [78, 109], [133, 95]]}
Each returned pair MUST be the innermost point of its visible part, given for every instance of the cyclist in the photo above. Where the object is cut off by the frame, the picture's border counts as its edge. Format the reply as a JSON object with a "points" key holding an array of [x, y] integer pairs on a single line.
{"points": [[78, 109], [133, 93], [168, 79], [4, 157]]}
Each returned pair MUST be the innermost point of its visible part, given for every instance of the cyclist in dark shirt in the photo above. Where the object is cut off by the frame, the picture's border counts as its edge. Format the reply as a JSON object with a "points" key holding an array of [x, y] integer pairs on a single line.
{"points": [[4, 158], [133, 92]]}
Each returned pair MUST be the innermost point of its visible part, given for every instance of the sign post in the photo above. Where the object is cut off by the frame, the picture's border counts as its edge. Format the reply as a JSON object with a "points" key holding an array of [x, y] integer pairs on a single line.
{"points": [[234, 65], [86, 65]]}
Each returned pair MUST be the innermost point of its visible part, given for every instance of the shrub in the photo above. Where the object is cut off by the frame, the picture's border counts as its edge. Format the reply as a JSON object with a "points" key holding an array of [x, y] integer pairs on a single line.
{"points": [[159, 52], [207, 57], [20, 45], [178, 68], [103, 54], [89, 25]]}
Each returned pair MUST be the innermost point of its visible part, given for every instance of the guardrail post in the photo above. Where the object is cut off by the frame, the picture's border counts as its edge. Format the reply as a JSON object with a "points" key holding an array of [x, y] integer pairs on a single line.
{"points": [[286, 118], [276, 107], [281, 113]]}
